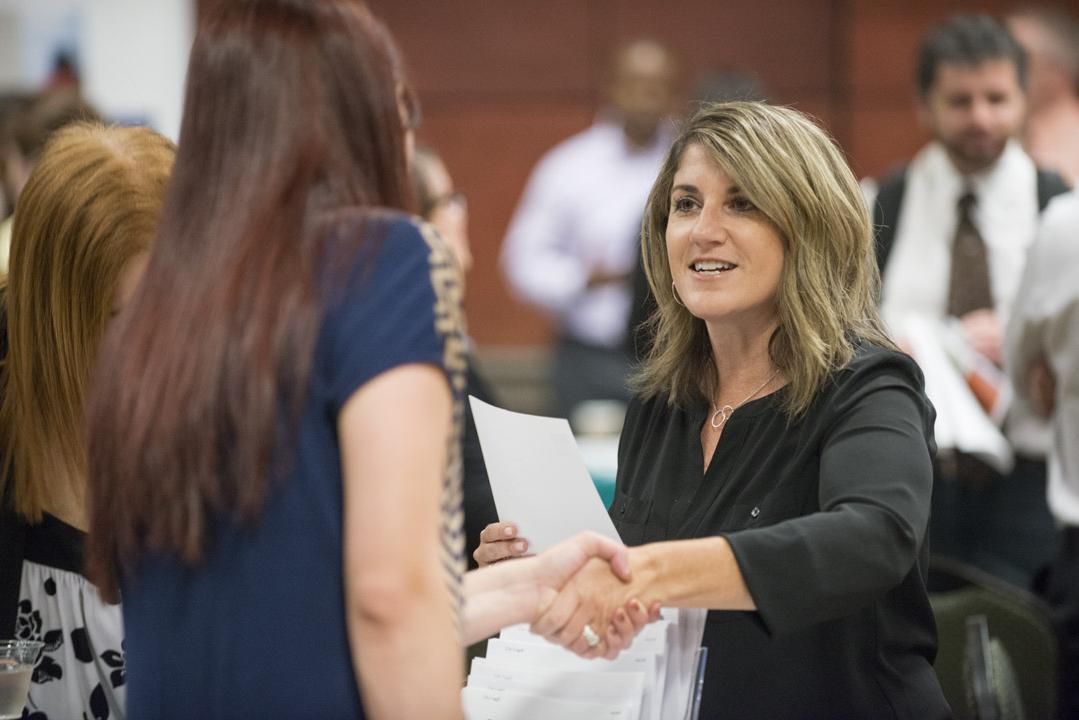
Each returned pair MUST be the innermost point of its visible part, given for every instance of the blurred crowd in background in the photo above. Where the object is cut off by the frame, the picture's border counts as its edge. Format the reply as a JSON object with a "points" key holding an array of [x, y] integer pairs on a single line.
{"points": [[968, 139]]}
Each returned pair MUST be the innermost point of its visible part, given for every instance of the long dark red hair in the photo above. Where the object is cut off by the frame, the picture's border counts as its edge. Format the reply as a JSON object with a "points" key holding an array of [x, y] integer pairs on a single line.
{"points": [[291, 122]]}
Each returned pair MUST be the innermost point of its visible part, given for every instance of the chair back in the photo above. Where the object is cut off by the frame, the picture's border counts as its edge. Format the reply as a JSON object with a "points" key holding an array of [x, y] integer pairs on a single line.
{"points": [[992, 688], [1017, 654]]}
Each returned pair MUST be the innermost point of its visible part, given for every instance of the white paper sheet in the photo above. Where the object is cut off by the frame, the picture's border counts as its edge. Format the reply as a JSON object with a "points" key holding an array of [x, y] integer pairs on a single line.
{"points": [[486, 704], [538, 476], [548, 656], [606, 688], [653, 639], [539, 480]]}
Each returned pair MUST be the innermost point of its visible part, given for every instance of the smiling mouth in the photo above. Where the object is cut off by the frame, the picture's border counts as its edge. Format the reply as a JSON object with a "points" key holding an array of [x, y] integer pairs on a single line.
{"points": [[707, 267]]}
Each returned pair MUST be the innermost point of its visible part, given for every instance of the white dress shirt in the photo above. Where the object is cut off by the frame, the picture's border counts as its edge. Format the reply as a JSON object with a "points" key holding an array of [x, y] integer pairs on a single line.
{"points": [[917, 276], [1045, 321], [1006, 214], [580, 213]]}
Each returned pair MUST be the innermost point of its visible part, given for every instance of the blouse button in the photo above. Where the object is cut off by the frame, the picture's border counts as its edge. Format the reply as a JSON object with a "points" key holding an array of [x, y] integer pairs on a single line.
{"points": [[755, 512]]}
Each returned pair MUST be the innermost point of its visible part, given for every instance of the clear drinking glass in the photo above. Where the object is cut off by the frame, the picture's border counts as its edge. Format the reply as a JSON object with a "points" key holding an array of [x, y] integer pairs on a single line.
{"points": [[17, 660]]}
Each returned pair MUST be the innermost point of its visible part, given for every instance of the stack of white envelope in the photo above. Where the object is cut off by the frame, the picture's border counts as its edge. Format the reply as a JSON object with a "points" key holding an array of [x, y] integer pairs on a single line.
{"points": [[525, 677], [540, 481]]}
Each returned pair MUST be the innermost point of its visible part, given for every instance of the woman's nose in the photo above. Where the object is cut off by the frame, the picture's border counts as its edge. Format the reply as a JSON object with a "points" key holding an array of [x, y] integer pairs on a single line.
{"points": [[710, 226]]}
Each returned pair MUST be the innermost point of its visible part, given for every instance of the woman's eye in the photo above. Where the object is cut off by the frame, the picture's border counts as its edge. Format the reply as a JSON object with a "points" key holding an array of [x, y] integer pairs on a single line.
{"points": [[684, 204], [741, 204]]}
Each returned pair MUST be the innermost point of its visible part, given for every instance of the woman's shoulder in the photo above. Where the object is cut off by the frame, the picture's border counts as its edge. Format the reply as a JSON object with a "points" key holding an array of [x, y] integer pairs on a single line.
{"points": [[874, 361], [392, 296], [875, 369], [649, 404], [879, 386], [405, 228], [374, 250], [644, 413], [391, 232]]}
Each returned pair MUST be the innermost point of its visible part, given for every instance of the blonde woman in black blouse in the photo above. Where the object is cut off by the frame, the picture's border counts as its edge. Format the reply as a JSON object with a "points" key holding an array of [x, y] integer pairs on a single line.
{"points": [[775, 464]]}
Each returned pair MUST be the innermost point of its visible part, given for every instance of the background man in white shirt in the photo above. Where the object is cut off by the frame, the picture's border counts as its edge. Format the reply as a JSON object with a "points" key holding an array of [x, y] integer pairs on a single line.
{"points": [[573, 240], [953, 231], [1043, 361], [1051, 39]]}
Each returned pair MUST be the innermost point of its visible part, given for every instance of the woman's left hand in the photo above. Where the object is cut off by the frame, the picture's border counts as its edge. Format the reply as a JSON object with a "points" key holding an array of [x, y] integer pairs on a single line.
{"points": [[560, 567], [625, 624]]}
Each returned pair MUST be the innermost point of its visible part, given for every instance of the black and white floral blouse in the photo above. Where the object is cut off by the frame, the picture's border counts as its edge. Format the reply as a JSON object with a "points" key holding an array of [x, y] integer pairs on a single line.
{"points": [[81, 672]]}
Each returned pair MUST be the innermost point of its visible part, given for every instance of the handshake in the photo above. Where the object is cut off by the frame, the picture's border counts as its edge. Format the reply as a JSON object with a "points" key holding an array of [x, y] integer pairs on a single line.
{"points": [[578, 594]]}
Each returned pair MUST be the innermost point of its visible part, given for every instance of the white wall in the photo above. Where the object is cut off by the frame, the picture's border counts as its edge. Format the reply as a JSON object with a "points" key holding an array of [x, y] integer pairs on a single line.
{"points": [[31, 30], [132, 53], [10, 66]]}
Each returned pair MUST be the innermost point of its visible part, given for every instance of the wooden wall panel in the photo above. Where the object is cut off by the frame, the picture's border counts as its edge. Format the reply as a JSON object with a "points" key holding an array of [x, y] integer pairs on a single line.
{"points": [[883, 41], [490, 152], [502, 82], [786, 42], [882, 138], [510, 52]]}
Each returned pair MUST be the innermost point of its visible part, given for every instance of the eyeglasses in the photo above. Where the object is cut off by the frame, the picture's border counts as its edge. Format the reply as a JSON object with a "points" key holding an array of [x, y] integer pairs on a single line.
{"points": [[455, 197], [409, 105]]}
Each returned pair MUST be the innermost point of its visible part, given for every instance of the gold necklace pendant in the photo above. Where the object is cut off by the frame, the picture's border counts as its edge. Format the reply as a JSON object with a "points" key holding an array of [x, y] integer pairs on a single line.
{"points": [[724, 412]]}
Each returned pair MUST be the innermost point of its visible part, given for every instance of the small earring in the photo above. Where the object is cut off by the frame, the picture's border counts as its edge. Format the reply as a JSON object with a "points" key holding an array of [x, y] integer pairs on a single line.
{"points": [[674, 291]]}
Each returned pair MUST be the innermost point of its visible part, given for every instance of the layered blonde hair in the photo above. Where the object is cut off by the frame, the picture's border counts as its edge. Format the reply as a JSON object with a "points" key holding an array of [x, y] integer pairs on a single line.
{"points": [[827, 296], [90, 205]]}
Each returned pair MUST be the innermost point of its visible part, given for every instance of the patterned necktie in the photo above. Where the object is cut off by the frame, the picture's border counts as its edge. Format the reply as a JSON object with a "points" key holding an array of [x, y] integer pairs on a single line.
{"points": [[969, 285]]}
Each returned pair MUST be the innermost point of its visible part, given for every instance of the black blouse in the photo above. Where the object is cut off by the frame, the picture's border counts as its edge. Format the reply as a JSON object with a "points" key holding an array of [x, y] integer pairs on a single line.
{"points": [[827, 518]]}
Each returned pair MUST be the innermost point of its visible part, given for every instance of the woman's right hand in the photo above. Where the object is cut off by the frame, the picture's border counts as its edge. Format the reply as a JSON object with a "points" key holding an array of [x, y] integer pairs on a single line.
{"points": [[499, 541], [558, 567]]}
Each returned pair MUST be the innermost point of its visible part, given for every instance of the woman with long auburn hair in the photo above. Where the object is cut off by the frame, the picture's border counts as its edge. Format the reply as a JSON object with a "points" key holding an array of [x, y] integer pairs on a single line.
{"points": [[275, 426], [84, 223]]}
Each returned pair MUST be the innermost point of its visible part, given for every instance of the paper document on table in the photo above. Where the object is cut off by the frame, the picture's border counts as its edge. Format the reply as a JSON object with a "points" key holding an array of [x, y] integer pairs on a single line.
{"points": [[656, 675], [538, 476], [547, 655], [539, 481], [607, 688], [486, 704], [654, 639]]}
